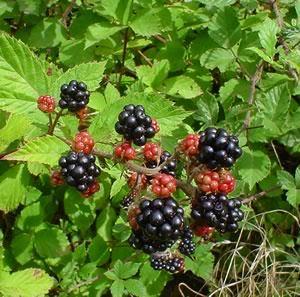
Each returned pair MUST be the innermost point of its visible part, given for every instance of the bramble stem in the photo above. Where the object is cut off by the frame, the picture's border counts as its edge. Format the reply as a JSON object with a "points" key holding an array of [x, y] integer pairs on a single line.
{"points": [[52, 127]]}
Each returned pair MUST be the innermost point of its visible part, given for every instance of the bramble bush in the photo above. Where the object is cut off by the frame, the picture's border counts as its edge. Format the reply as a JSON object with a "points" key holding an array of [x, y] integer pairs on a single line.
{"points": [[149, 148]]}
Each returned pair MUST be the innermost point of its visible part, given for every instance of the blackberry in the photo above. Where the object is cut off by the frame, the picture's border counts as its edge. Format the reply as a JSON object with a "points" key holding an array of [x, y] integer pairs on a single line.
{"points": [[169, 168], [74, 96], [127, 201], [79, 170], [135, 125], [160, 219], [218, 149], [140, 241], [216, 210], [169, 263], [186, 245]]}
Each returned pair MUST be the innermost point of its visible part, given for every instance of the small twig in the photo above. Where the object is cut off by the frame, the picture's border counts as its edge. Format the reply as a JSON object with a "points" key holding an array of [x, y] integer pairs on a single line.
{"points": [[125, 42], [52, 127], [50, 119], [66, 13], [276, 154], [160, 38], [189, 288], [145, 58], [258, 195]]}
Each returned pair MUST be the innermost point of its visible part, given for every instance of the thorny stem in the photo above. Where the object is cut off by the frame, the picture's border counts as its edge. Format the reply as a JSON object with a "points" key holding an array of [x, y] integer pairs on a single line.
{"points": [[52, 127], [123, 55]]}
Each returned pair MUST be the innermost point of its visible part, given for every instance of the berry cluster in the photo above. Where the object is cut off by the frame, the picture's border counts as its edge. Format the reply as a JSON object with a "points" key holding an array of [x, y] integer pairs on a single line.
{"points": [[218, 149], [135, 125], [74, 96], [187, 245], [216, 210], [170, 263], [160, 219], [163, 185], [83, 142], [215, 181], [152, 152], [168, 168], [46, 104], [79, 170], [92, 189], [190, 145], [133, 180], [125, 151]]}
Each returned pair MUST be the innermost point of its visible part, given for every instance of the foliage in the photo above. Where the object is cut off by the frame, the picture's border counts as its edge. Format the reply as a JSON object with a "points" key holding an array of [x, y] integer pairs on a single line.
{"points": [[192, 64]]}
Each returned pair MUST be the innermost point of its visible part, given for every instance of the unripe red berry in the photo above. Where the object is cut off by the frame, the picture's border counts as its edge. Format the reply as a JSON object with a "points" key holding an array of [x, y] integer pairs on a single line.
{"points": [[92, 189], [163, 185], [46, 104], [190, 145], [203, 231], [83, 142], [155, 125], [132, 180], [125, 151], [56, 178], [132, 214], [152, 151]]}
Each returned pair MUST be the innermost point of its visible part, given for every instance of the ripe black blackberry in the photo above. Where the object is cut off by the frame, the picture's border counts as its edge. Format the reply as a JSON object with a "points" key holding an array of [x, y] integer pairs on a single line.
{"points": [[216, 210], [74, 96], [186, 245], [134, 124], [169, 168], [160, 219], [141, 242], [79, 170], [218, 149], [170, 263]]}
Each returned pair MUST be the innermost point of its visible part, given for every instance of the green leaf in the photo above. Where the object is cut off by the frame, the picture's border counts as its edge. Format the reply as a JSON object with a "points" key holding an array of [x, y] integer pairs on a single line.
{"points": [[100, 31], [253, 166], [297, 177], [117, 288], [286, 180], [117, 186], [31, 7], [23, 78], [126, 270], [118, 9], [13, 184], [182, 86], [224, 28], [135, 287], [98, 251], [51, 243], [90, 73], [105, 222], [46, 150], [293, 197], [26, 283], [47, 33], [111, 94], [217, 58], [22, 248], [16, 127], [267, 36], [208, 109]]}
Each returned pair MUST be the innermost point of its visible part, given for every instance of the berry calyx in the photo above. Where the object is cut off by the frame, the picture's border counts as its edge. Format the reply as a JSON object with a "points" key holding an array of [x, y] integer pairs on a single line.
{"points": [[215, 181], [56, 178], [190, 145], [132, 181], [125, 151], [83, 142], [155, 125], [46, 104], [152, 151], [170, 263], [92, 189], [203, 231], [163, 185]]}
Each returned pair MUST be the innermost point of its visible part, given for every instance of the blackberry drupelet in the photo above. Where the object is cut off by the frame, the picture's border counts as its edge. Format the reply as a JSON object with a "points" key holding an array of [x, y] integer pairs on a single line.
{"points": [[170, 263], [216, 210], [79, 170], [169, 168], [135, 125], [218, 149], [74, 96], [160, 219], [186, 245]]}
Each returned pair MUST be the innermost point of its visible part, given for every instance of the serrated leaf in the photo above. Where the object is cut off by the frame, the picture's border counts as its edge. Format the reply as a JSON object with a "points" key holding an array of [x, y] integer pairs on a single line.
{"points": [[208, 109], [111, 94], [117, 186], [126, 270], [89, 73], [267, 36], [118, 9], [293, 197], [22, 248], [253, 166], [117, 288], [135, 287], [98, 251], [297, 177], [46, 150], [26, 283], [23, 78], [285, 179], [13, 184], [51, 243], [105, 222], [224, 28]]}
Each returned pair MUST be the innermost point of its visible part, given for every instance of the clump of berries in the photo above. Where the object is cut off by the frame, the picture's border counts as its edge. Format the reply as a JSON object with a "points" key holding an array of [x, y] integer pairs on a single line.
{"points": [[203, 231], [92, 189], [56, 178], [125, 151], [216, 210], [79, 170], [83, 142], [135, 125], [168, 168], [186, 245], [215, 181], [137, 180], [218, 149], [152, 152], [190, 145], [160, 219], [74, 96], [46, 104], [155, 125], [163, 185], [170, 263]]}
